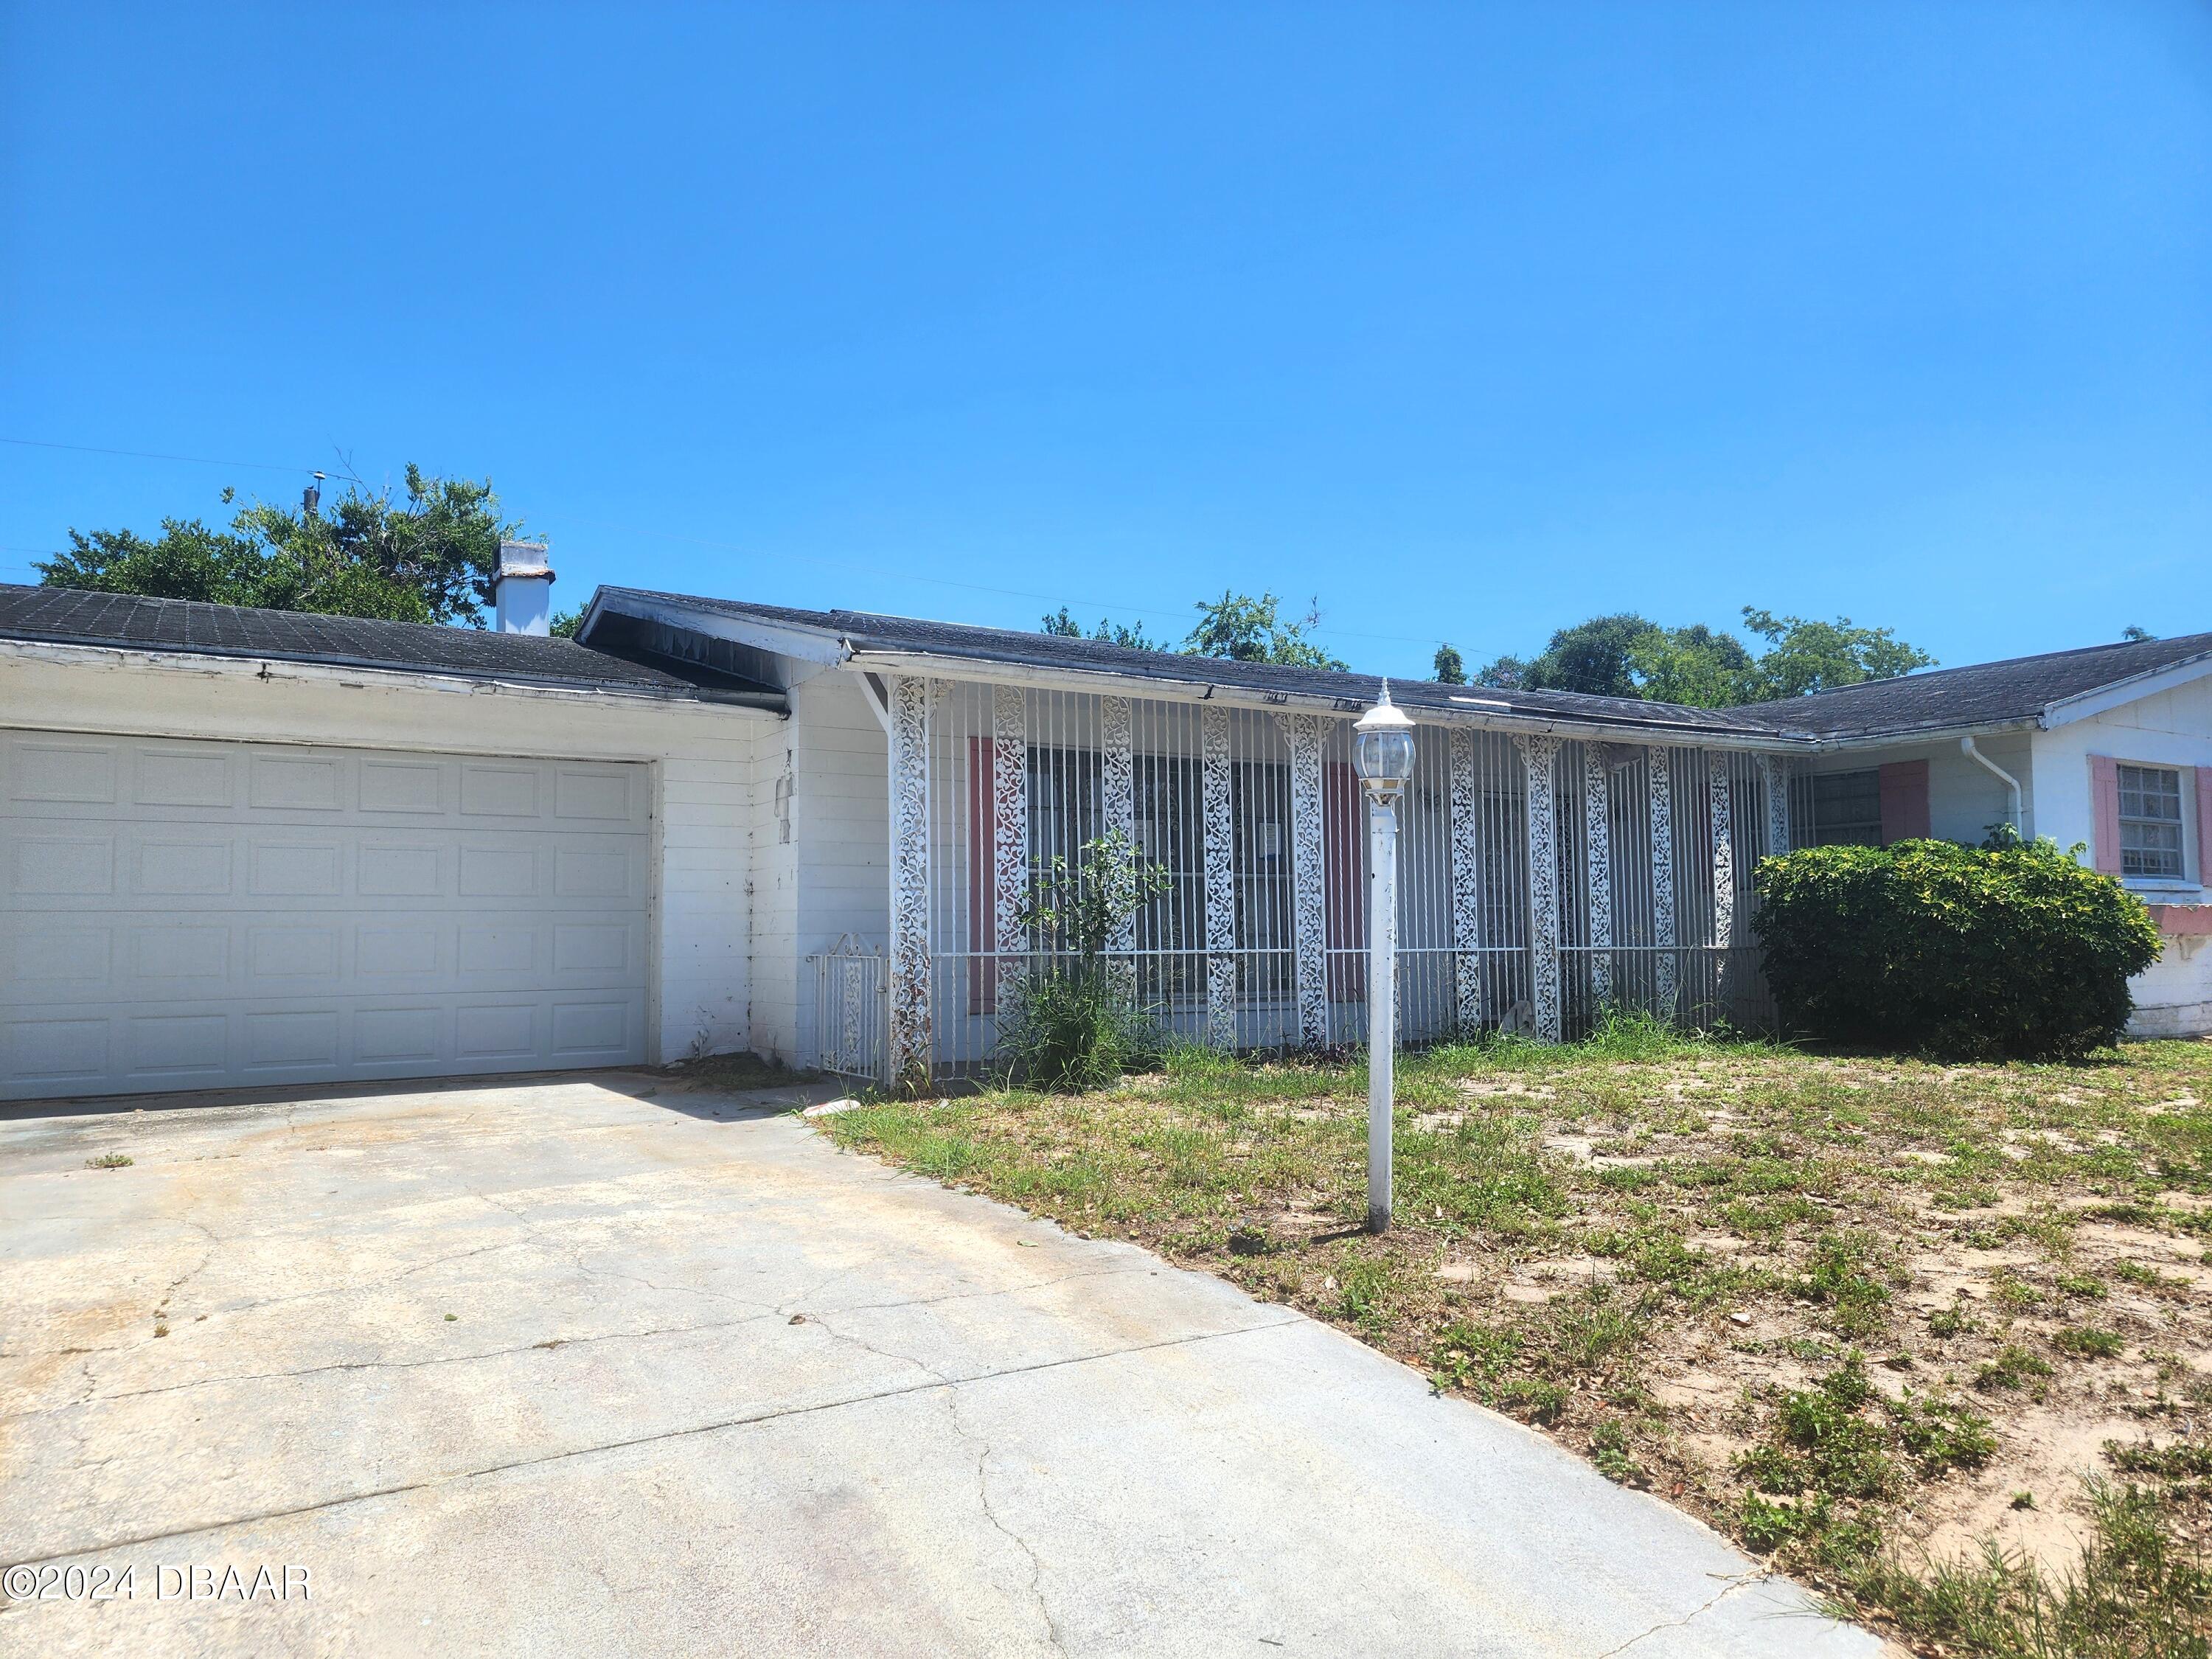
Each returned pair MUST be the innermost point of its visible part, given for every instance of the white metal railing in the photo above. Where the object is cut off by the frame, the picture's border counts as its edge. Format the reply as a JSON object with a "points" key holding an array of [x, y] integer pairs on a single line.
{"points": [[1259, 941], [850, 999]]}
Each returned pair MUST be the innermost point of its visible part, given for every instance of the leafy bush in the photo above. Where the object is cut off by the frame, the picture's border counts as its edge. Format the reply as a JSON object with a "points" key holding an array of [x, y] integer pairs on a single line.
{"points": [[2001, 951], [1074, 1024], [1072, 1029]]}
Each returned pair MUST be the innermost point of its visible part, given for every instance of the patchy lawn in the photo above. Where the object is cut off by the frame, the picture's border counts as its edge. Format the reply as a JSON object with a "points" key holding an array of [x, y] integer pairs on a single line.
{"points": [[1936, 1338]]}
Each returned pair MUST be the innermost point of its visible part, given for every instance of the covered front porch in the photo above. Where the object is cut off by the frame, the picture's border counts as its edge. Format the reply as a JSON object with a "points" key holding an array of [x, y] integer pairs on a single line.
{"points": [[1544, 876]]}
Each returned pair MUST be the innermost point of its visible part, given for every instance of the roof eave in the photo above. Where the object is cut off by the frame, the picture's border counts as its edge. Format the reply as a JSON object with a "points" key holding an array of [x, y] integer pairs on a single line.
{"points": [[1197, 687], [2086, 705], [219, 659]]}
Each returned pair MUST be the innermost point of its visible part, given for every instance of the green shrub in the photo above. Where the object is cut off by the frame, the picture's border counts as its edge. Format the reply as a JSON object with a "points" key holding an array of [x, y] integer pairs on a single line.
{"points": [[1073, 1024], [1073, 1028], [1994, 952]]}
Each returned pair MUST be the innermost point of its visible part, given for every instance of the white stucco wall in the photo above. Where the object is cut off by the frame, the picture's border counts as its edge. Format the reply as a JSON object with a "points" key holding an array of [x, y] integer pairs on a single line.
{"points": [[704, 759], [2168, 728], [825, 774]]}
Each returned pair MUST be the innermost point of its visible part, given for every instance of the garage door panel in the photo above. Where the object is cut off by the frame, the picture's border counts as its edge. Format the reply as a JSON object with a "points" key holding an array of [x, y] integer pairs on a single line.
{"points": [[180, 915], [74, 774]]}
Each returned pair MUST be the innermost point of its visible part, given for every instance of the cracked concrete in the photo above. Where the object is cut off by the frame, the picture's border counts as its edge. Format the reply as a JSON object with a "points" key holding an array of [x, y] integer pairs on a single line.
{"points": [[606, 1364]]}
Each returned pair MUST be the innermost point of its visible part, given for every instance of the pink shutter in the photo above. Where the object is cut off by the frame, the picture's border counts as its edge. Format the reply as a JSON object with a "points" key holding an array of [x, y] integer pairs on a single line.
{"points": [[2104, 812], [1903, 801], [1343, 842], [982, 896], [2203, 825]]}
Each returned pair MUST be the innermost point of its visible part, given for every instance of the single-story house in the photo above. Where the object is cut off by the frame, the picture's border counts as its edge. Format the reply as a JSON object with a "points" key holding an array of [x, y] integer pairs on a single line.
{"points": [[246, 847]]}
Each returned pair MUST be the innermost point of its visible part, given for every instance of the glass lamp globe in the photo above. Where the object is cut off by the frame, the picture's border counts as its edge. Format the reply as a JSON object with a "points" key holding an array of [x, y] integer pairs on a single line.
{"points": [[1383, 746]]}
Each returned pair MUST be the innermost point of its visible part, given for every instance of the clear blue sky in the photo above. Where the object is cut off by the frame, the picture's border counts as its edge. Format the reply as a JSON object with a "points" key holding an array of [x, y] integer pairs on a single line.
{"points": [[1471, 320]]}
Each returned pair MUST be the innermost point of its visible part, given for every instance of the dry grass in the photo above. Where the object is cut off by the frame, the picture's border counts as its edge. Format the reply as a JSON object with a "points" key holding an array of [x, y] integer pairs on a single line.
{"points": [[1875, 1318]]}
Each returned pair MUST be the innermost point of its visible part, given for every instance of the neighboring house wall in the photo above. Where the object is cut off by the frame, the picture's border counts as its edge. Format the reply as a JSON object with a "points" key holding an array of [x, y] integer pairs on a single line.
{"points": [[2172, 729], [822, 869], [1964, 799], [703, 756]]}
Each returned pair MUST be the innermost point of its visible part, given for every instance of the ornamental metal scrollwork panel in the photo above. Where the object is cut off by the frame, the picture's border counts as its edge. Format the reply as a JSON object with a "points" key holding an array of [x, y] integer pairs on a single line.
{"points": [[1537, 756], [1117, 793], [1723, 833], [1774, 774], [910, 1043], [1010, 822], [1308, 903], [1597, 838], [1465, 880], [1659, 774], [1220, 839]]}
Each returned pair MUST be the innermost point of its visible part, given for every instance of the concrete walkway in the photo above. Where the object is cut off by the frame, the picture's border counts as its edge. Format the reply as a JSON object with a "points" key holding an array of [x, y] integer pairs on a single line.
{"points": [[611, 1365]]}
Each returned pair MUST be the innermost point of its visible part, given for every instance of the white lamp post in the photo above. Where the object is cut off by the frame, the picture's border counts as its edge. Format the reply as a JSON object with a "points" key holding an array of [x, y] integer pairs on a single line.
{"points": [[1382, 754]]}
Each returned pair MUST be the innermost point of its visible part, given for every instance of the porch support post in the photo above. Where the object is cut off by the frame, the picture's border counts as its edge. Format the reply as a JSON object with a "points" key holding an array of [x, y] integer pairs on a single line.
{"points": [[1597, 847], [1724, 829], [1774, 773], [1309, 905], [910, 1047], [1659, 775], [1465, 880], [1537, 756], [1220, 833], [1009, 827], [1117, 789]]}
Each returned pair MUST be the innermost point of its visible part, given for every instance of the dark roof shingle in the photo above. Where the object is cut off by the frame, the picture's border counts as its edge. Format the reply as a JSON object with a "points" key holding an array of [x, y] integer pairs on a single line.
{"points": [[65, 616], [868, 631], [1980, 694]]}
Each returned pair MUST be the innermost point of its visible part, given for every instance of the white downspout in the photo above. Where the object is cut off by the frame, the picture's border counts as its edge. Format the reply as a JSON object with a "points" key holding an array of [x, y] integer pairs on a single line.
{"points": [[1967, 748]]}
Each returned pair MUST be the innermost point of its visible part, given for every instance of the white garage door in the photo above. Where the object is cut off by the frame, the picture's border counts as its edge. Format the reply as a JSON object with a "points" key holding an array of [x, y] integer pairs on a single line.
{"points": [[179, 916]]}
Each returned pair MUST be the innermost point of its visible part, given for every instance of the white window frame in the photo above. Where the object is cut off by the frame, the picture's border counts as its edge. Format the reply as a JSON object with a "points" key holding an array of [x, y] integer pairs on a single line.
{"points": [[2184, 801]]}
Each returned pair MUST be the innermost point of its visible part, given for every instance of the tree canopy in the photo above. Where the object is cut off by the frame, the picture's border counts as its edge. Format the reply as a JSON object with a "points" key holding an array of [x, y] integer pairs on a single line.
{"points": [[1246, 630], [427, 555], [1627, 655], [1063, 624], [1235, 626]]}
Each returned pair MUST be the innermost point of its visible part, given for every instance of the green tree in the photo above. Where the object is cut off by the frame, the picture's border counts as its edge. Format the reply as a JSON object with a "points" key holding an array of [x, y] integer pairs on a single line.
{"points": [[1803, 656], [1693, 665], [427, 555], [2135, 633], [1592, 657], [1449, 669], [1245, 630], [1062, 622], [1625, 655]]}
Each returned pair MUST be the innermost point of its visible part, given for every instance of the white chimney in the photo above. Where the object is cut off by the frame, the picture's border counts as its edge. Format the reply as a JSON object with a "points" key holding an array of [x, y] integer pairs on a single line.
{"points": [[522, 593]]}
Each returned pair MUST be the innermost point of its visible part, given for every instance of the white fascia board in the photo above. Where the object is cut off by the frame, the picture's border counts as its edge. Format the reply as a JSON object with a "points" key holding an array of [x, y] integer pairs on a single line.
{"points": [[278, 668], [1199, 690], [801, 644], [2119, 693]]}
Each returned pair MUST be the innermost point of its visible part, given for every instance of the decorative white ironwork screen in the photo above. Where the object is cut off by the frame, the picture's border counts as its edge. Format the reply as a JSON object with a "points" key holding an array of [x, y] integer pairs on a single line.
{"points": [[1621, 876]]}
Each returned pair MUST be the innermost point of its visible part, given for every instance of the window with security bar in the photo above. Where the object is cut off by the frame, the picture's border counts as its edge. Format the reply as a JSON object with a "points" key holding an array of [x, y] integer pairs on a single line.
{"points": [[2150, 822], [1847, 809]]}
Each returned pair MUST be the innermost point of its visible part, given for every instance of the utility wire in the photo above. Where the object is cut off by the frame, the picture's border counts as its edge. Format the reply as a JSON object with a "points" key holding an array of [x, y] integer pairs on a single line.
{"points": [[148, 455]]}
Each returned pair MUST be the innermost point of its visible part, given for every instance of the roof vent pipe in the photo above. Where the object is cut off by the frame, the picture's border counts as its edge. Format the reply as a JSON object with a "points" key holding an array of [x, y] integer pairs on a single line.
{"points": [[522, 592], [1967, 747]]}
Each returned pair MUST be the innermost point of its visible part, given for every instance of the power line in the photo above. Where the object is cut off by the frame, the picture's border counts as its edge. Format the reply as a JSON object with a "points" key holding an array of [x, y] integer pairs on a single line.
{"points": [[148, 455]]}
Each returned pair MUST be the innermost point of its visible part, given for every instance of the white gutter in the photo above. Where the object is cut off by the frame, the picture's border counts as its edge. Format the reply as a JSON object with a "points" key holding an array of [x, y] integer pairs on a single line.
{"points": [[1967, 747]]}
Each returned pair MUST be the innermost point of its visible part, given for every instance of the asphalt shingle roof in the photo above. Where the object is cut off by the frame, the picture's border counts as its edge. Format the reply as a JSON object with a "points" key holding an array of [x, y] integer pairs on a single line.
{"points": [[1984, 694], [65, 615], [868, 631], [1981, 693]]}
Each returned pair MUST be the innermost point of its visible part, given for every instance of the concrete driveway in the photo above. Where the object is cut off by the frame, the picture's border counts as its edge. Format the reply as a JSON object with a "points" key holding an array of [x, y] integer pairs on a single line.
{"points": [[611, 1364]]}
